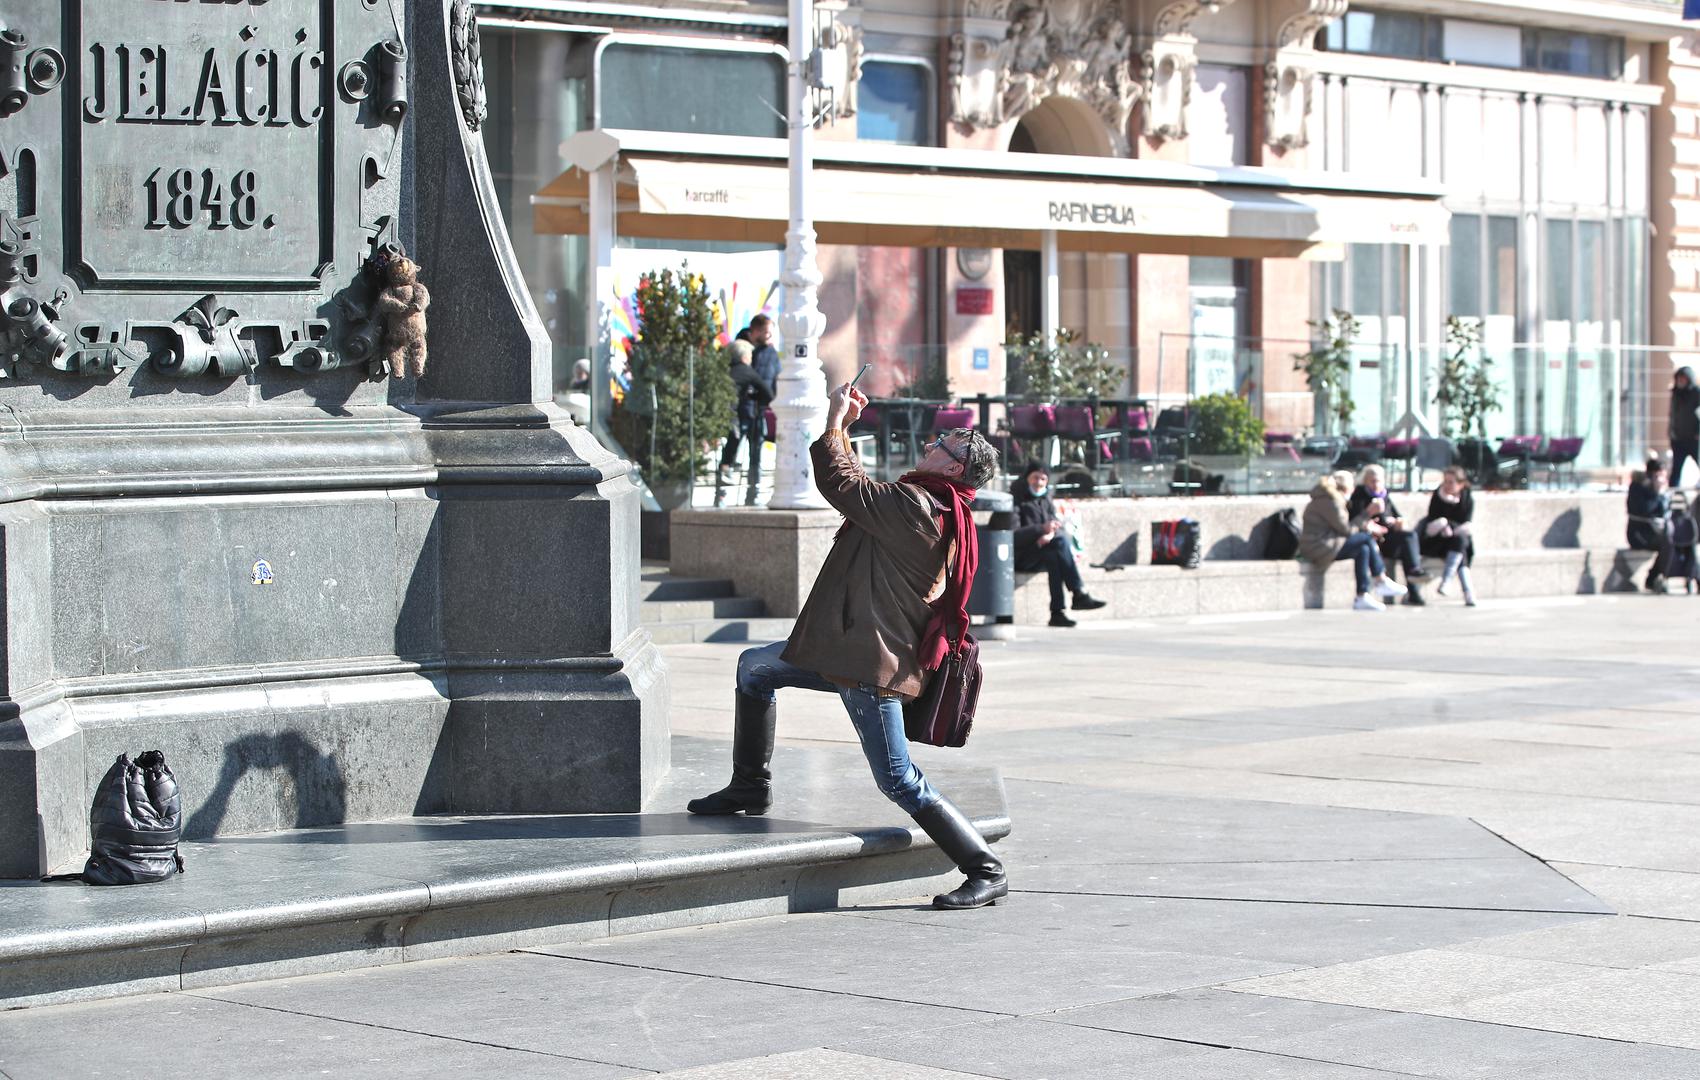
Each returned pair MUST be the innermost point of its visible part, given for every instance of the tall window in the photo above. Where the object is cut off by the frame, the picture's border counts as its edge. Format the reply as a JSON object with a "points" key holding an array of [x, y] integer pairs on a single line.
{"points": [[894, 103], [1414, 36], [707, 91]]}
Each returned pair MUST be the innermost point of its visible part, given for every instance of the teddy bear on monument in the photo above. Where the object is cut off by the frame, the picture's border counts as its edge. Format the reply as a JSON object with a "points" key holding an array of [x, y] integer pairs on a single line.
{"points": [[401, 309]]}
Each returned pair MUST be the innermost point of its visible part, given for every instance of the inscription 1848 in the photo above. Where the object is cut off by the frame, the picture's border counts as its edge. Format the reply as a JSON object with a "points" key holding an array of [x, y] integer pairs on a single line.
{"points": [[203, 140]]}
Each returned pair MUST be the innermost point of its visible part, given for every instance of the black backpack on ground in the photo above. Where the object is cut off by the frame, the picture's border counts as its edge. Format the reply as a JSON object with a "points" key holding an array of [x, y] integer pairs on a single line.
{"points": [[134, 825], [1282, 539]]}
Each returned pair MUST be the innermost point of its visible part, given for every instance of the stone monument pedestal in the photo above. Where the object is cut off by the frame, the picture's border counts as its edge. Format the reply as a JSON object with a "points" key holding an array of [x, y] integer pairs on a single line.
{"points": [[232, 528]]}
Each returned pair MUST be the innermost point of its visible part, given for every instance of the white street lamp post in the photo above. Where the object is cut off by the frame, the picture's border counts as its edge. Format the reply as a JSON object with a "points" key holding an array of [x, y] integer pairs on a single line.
{"points": [[800, 404]]}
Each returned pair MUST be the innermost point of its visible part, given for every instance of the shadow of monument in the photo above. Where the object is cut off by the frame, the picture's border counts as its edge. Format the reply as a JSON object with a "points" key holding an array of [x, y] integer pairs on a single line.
{"points": [[321, 793]]}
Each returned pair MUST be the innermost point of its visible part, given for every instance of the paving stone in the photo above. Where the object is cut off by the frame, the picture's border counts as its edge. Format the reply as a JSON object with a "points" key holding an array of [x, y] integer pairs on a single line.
{"points": [[1618, 942], [958, 966], [1028, 1049], [1515, 884], [815, 1065], [634, 1017], [1428, 980], [1371, 1038], [1636, 1006], [187, 1035], [1294, 935], [1630, 890], [1015, 1047]]}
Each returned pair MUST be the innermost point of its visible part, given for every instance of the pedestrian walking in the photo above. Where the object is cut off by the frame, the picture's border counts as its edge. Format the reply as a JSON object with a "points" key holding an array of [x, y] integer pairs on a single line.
{"points": [[749, 424], [882, 612]]}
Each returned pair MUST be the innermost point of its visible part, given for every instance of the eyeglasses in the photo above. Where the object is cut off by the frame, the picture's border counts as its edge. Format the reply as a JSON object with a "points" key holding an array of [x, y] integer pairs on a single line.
{"points": [[942, 443]]}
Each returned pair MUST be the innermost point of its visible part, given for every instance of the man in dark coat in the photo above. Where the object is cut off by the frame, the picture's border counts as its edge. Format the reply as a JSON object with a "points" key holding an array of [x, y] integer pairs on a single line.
{"points": [[887, 603], [1041, 543], [1684, 423], [766, 359], [749, 422]]}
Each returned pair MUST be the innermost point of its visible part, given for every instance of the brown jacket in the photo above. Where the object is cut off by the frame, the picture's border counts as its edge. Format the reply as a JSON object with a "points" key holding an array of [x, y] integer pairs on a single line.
{"points": [[1326, 524], [863, 620]]}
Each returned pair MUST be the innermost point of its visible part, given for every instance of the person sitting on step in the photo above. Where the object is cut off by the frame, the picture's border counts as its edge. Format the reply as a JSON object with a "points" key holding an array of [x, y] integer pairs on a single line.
{"points": [[1445, 532], [1648, 504], [1330, 534], [1042, 543], [1373, 502]]}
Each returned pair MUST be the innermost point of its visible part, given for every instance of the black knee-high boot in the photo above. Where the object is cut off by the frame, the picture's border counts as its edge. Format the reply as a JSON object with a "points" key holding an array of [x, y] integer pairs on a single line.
{"points": [[751, 789], [957, 837]]}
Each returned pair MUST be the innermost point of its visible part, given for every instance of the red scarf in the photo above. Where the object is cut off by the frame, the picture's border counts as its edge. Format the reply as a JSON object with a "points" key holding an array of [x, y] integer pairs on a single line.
{"points": [[951, 607]]}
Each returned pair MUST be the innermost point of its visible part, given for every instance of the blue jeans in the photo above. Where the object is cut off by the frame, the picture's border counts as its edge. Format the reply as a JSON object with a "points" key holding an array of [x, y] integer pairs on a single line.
{"points": [[1366, 559], [876, 715]]}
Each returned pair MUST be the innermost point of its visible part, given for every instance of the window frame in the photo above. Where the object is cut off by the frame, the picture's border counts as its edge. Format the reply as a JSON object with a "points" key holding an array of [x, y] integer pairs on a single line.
{"points": [[1433, 37], [930, 93], [672, 41]]}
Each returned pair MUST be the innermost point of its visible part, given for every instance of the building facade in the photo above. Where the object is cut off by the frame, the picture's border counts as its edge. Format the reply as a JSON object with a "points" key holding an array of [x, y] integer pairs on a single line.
{"points": [[1564, 137]]}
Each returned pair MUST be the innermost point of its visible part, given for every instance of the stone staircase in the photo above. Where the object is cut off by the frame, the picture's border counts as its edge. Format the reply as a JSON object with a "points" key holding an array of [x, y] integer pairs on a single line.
{"points": [[681, 610]]}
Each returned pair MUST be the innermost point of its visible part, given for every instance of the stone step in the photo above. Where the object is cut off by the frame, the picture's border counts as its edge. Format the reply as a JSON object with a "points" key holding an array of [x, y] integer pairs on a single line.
{"points": [[651, 612], [1223, 586], [694, 631], [308, 901], [661, 587]]}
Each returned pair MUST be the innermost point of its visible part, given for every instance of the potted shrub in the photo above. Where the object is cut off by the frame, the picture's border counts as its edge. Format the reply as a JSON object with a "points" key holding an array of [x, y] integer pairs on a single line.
{"points": [[1044, 372], [1465, 395], [681, 395], [1327, 370], [1226, 436]]}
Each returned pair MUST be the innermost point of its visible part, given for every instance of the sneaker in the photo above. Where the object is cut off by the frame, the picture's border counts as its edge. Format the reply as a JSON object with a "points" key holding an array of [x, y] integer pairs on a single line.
{"points": [[1414, 599], [1470, 600], [1059, 618], [1368, 603], [1440, 590], [1085, 602], [1419, 574], [1387, 590]]}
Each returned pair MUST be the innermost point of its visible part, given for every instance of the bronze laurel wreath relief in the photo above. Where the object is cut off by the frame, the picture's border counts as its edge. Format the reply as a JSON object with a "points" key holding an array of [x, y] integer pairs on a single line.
{"points": [[468, 61]]}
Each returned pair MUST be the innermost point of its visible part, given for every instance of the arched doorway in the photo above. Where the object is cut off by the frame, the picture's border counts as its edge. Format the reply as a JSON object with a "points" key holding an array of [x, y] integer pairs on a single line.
{"points": [[1093, 286]]}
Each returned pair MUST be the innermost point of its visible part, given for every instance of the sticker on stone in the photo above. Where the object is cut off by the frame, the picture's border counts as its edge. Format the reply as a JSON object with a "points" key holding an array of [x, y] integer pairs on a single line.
{"points": [[262, 574]]}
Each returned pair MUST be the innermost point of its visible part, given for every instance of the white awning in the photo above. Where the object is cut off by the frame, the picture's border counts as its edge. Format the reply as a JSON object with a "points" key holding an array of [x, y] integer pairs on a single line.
{"points": [[684, 187]]}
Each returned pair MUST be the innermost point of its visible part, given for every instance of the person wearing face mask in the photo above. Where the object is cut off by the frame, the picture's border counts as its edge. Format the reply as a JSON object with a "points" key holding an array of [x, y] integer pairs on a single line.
{"points": [[1041, 543]]}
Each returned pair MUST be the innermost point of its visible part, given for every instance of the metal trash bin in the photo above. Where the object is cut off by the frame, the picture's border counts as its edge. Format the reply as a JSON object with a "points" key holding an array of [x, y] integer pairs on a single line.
{"points": [[993, 595]]}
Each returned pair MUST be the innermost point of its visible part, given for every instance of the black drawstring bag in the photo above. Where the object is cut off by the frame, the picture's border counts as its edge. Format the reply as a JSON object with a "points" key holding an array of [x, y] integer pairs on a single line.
{"points": [[134, 825]]}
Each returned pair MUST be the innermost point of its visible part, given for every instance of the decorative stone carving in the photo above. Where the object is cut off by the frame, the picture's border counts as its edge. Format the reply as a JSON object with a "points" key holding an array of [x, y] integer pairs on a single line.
{"points": [[1079, 49], [1165, 72], [1167, 62], [841, 56], [184, 155], [468, 52], [1289, 79]]}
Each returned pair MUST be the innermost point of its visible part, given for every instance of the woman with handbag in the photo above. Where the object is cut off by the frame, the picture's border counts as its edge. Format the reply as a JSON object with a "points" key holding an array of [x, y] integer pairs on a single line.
{"points": [[887, 608]]}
